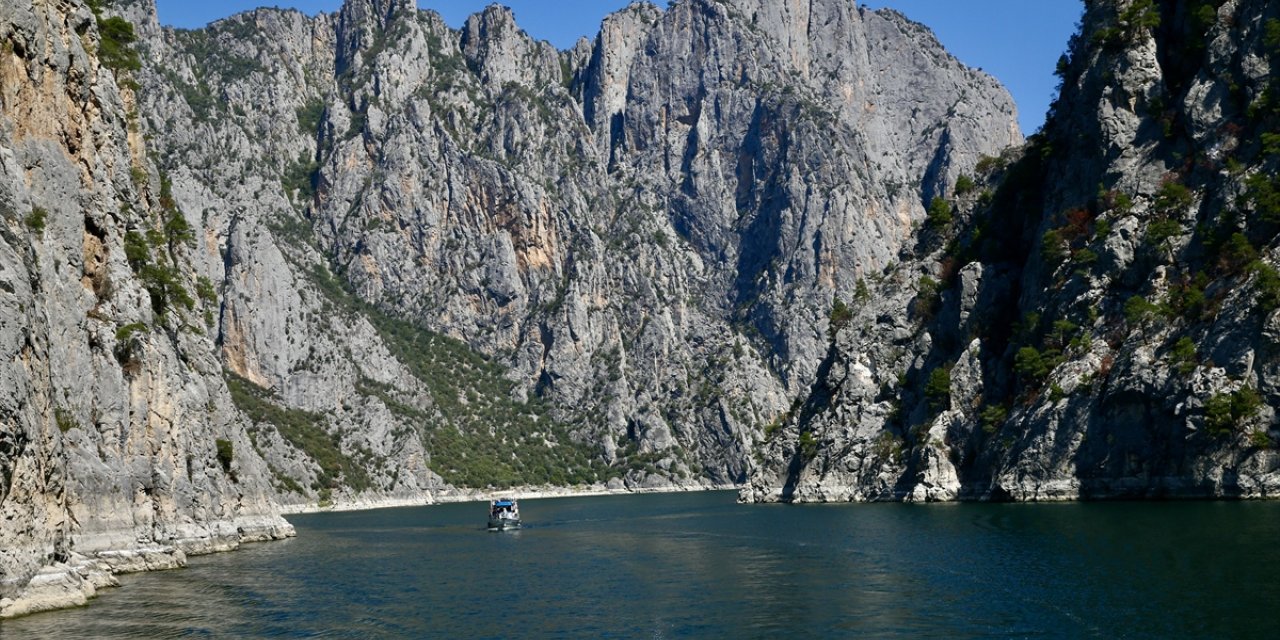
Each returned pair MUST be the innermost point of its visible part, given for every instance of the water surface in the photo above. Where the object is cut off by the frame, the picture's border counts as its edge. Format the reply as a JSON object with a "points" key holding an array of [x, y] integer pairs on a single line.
{"points": [[700, 566]]}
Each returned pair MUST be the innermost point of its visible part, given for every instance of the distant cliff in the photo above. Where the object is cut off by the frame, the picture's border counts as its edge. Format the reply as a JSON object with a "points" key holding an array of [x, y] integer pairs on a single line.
{"points": [[461, 258], [1095, 315]]}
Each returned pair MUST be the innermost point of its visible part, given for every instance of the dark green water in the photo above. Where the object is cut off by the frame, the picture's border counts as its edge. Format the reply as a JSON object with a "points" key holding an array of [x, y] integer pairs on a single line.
{"points": [[698, 565]]}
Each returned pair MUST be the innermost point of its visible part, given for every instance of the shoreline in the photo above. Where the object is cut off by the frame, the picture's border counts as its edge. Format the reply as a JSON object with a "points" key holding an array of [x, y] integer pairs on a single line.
{"points": [[470, 495], [75, 581]]}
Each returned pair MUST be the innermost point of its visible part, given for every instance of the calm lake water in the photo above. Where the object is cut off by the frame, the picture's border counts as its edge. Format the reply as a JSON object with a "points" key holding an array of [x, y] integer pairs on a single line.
{"points": [[698, 565]]}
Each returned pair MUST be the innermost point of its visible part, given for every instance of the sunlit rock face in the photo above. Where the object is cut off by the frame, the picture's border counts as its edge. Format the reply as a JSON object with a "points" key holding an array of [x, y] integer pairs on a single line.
{"points": [[113, 408]]}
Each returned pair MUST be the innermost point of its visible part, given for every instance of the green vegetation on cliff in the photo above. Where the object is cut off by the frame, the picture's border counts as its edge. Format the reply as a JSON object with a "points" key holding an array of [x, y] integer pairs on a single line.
{"points": [[478, 431], [115, 49], [307, 431]]}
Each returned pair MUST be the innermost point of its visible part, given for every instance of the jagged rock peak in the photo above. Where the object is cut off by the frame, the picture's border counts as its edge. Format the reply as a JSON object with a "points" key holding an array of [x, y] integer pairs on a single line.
{"points": [[642, 9], [141, 13], [381, 11], [502, 52], [491, 17], [361, 23]]}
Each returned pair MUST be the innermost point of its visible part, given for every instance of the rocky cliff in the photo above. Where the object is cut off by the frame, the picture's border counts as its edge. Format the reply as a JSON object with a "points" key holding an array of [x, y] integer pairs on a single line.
{"points": [[1092, 316], [463, 258], [120, 448]]}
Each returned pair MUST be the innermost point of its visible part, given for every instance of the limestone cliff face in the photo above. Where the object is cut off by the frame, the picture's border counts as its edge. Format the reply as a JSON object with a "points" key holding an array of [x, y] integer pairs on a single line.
{"points": [[646, 231], [1100, 318], [112, 408]]}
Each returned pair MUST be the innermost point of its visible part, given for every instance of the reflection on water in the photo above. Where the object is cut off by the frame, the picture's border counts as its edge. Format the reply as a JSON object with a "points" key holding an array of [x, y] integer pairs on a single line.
{"points": [[698, 565]]}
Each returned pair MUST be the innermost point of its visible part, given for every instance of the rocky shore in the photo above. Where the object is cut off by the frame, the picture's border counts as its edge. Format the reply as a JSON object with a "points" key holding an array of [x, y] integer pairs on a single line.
{"points": [[73, 580], [477, 495]]}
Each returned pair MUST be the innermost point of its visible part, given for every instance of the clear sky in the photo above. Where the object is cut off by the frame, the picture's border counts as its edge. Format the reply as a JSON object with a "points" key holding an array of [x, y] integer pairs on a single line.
{"points": [[1017, 41]]}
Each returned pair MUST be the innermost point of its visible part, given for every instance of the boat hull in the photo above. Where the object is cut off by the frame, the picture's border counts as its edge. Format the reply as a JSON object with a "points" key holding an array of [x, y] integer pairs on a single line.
{"points": [[503, 524]]}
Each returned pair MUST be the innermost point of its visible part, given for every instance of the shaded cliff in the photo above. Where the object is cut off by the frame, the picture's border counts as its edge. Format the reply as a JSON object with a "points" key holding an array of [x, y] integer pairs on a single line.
{"points": [[1093, 316]]}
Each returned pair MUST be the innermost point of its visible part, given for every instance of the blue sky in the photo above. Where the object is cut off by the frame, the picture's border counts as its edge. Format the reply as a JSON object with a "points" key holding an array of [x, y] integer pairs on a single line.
{"points": [[1017, 41]]}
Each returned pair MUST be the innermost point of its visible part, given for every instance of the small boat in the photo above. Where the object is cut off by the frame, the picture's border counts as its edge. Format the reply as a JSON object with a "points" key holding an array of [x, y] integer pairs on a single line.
{"points": [[504, 513]]}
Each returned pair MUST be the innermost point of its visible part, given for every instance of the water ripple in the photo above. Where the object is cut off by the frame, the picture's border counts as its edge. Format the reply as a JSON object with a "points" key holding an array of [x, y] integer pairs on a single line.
{"points": [[698, 565]]}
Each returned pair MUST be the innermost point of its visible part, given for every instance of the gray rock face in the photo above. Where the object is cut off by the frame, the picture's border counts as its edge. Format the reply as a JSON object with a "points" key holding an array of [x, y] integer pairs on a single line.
{"points": [[1115, 344], [113, 408], [647, 230]]}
